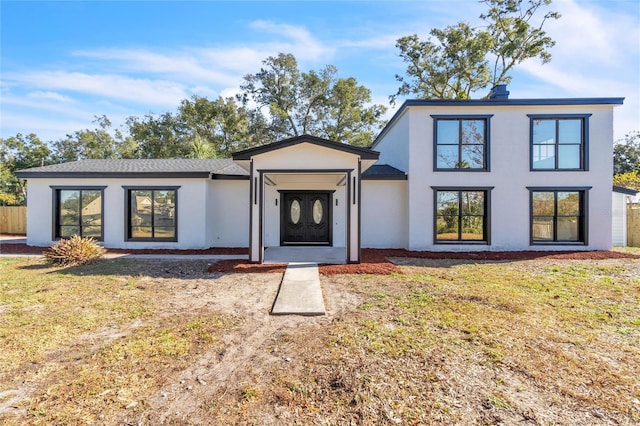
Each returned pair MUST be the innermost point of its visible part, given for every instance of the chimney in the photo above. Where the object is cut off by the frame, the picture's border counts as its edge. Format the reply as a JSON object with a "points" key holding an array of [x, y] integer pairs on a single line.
{"points": [[499, 93]]}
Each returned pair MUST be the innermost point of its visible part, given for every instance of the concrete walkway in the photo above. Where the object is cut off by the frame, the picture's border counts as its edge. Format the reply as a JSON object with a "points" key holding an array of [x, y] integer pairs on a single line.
{"points": [[300, 292]]}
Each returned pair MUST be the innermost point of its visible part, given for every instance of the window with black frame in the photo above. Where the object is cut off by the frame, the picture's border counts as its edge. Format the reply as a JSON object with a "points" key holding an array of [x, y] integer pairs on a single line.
{"points": [[78, 211], [559, 142], [461, 143], [558, 216], [461, 215], [151, 213]]}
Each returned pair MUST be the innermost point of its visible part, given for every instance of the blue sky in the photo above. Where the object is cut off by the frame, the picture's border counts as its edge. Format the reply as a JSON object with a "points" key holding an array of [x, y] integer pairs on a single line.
{"points": [[62, 63]]}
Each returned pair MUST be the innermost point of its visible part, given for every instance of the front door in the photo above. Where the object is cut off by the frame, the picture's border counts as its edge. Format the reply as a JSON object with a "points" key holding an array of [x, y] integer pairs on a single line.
{"points": [[305, 218]]}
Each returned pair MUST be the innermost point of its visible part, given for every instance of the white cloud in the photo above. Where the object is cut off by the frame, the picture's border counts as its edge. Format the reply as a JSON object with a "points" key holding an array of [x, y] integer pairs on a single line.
{"points": [[138, 90], [182, 64], [53, 96], [302, 44]]}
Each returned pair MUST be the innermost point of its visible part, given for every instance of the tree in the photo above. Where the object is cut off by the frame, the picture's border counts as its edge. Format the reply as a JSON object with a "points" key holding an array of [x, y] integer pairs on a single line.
{"points": [[201, 128], [96, 144], [316, 103], [460, 60], [626, 154], [628, 180], [17, 153], [221, 127], [160, 136]]}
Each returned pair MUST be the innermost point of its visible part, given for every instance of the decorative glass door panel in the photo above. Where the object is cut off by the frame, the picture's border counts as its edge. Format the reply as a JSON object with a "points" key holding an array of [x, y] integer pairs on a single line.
{"points": [[305, 218]]}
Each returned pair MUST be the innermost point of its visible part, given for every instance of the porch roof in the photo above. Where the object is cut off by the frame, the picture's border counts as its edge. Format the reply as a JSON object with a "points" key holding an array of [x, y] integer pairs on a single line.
{"points": [[363, 153]]}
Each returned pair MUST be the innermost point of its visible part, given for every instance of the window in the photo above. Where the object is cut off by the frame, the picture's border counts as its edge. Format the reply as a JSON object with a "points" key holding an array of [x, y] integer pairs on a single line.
{"points": [[151, 213], [78, 211], [558, 215], [461, 143], [559, 142], [462, 215]]}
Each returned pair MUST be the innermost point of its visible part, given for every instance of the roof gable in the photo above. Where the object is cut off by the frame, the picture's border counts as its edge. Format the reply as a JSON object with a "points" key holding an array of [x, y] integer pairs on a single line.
{"points": [[364, 153]]}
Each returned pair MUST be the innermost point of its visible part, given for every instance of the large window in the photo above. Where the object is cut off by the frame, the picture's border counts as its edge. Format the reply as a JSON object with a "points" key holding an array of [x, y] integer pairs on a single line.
{"points": [[462, 215], [559, 142], [151, 213], [461, 143], [78, 211], [558, 215]]}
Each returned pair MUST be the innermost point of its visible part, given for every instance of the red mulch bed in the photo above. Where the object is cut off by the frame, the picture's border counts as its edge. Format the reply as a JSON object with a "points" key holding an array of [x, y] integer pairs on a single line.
{"points": [[374, 261]]}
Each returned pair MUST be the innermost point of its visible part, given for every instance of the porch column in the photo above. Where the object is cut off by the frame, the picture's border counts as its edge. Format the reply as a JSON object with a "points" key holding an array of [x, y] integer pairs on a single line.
{"points": [[254, 216], [353, 213]]}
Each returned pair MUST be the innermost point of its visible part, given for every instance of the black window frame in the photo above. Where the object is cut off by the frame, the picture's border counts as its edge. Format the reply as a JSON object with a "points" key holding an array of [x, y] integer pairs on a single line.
{"points": [[583, 228], [584, 146], [460, 118], [487, 214], [127, 211], [55, 203]]}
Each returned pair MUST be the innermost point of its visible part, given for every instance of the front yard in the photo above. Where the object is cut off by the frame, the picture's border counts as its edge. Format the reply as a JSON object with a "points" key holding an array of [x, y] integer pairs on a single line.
{"points": [[542, 341]]}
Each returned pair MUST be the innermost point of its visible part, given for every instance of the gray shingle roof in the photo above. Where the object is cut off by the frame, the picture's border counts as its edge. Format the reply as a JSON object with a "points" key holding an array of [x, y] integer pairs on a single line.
{"points": [[220, 168], [174, 167], [383, 172]]}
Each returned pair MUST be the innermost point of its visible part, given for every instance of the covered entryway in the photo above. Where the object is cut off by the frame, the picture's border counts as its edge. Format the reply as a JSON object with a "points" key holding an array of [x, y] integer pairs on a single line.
{"points": [[305, 194], [305, 218]]}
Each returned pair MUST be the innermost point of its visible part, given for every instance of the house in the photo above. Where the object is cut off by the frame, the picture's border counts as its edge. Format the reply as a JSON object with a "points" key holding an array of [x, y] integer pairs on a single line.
{"points": [[443, 175], [620, 199]]}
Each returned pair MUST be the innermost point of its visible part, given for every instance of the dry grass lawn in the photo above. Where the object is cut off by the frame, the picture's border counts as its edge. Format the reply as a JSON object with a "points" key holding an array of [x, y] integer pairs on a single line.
{"points": [[442, 342]]}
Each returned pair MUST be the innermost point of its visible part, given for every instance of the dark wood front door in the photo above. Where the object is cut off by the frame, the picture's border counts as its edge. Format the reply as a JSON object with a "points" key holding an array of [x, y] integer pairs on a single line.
{"points": [[305, 218]]}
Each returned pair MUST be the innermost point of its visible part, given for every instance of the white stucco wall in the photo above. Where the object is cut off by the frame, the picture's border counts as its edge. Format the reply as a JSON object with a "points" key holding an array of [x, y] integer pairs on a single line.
{"points": [[228, 213], [384, 214], [191, 211], [394, 145], [619, 219], [509, 175]]}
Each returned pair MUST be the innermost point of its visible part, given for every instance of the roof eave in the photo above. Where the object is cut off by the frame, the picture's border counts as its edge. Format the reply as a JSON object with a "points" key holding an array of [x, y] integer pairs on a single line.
{"points": [[151, 175], [625, 190]]}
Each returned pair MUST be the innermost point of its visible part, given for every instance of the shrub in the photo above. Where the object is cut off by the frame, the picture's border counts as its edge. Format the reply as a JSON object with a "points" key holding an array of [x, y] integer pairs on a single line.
{"points": [[74, 251]]}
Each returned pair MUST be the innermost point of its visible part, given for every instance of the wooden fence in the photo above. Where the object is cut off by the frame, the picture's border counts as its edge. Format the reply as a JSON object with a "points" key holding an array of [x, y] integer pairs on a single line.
{"points": [[633, 225], [13, 220]]}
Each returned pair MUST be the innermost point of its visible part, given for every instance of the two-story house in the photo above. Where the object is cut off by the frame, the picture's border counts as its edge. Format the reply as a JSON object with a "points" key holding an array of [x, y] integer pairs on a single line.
{"points": [[443, 175]]}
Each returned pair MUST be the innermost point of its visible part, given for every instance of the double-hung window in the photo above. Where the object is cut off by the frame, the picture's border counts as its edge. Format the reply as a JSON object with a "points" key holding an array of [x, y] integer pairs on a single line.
{"points": [[559, 142], [461, 142], [558, 215], [78, 211], [151, 213], [462, 215]]}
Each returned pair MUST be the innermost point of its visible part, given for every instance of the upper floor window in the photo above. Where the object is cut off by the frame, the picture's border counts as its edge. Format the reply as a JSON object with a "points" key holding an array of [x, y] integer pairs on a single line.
{"points": [[151, 213], [559, 142], [461, 142], [78, 211], [558, 215], [462, 215]]}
